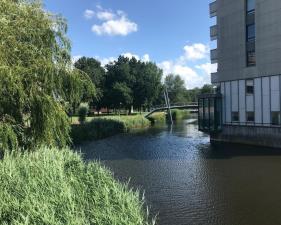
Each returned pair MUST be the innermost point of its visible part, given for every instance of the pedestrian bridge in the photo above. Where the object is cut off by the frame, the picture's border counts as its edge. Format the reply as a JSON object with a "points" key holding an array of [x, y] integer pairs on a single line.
{"points": [[192, 107]]}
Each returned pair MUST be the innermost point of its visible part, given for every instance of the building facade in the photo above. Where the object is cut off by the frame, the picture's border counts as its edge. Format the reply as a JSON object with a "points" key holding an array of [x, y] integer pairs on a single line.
{"points": [[248, 78]]}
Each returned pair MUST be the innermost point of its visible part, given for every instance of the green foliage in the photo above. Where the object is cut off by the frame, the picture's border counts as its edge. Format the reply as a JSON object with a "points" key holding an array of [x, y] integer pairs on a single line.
{"points": [[56, 187], [135, 83], [96, 72], [176, 88], [103, 127], [82, 113], [178, 114], [158, 117], [37, 81]]}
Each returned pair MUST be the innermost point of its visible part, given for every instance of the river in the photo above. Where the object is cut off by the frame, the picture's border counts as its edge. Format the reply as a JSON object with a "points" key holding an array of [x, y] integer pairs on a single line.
{"points": [[187, 181]]}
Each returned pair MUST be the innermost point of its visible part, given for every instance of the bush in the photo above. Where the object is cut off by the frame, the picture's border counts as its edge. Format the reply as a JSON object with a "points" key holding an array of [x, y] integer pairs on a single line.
{"points": [[56, 187], [82, 114], [103, 127], [178, 114], [157, 117]]}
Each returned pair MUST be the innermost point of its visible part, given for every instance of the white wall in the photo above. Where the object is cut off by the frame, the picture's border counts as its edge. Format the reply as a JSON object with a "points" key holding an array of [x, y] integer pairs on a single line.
{"points": [[228, 102], [234, 96], [275, 95], [258, 101], [266, 99], [242, 105]]}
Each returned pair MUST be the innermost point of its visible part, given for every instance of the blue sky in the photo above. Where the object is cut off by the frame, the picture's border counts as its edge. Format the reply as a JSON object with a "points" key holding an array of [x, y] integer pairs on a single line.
{"points": [[173, 34]]}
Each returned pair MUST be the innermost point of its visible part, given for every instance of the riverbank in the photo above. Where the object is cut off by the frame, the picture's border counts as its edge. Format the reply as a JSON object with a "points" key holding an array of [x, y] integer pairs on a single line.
{"points": [[52, 186], [177, 114], [103, 127]]}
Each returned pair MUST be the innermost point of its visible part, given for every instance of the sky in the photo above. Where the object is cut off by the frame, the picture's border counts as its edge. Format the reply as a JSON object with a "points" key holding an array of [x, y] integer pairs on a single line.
{"points": [[174, 34]]}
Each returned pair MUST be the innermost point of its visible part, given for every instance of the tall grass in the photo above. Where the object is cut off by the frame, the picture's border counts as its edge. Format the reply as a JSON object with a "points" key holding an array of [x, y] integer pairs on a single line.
{"points": [[56, 187], [178, 114], [103, 127]]}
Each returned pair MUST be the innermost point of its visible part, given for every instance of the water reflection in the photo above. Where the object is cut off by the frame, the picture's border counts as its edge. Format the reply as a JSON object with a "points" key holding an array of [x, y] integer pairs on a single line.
{"points": [[187, 181]]}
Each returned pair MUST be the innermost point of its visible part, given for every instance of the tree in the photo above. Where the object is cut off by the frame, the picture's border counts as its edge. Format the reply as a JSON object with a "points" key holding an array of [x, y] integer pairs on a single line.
{"points": [[96, 72], [142, 79], [36, 78], [176, 88]]}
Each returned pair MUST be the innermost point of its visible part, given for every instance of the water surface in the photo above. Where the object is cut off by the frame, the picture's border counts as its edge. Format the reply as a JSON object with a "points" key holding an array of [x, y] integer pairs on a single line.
{"points": [[186, 181]]}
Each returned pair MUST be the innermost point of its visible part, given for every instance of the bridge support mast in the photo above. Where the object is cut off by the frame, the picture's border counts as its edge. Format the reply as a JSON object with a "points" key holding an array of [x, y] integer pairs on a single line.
{"points": [[167, 101]]}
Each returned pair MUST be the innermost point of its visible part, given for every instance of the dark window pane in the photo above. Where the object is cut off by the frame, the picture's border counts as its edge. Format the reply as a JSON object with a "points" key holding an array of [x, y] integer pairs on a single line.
{"points": [[250, 5], [251, 58], [250, 117], [251, 32], [235, 117], [275, 118], [250, 87]]}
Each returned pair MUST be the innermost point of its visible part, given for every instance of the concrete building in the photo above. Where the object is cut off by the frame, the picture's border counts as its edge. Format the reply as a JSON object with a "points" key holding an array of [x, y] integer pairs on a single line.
{"points": [[247, 105]]}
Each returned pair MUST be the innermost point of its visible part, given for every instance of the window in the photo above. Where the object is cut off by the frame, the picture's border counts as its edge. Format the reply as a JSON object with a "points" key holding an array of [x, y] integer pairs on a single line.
{"points": [[250, 117], [251, 58], [235, 116], [251, 5], [251, 32], [250, 87], [275, 118]]}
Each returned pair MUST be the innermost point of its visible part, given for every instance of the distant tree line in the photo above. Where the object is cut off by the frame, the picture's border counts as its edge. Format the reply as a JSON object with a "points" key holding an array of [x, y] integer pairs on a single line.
{"points": [[127, 83]]}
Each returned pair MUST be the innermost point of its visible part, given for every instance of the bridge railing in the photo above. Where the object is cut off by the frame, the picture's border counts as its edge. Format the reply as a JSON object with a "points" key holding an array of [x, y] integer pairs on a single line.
{"points": [[179, 104]]}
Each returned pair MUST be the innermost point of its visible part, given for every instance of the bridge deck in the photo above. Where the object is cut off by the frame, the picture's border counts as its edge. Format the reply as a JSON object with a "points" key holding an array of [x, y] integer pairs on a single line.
{"points": [[191, 108]]}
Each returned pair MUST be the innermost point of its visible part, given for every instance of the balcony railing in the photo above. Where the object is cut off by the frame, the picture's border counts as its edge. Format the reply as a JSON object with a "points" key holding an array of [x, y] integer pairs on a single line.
{"points": [[214, 56], [214, 32], [213, 9]]}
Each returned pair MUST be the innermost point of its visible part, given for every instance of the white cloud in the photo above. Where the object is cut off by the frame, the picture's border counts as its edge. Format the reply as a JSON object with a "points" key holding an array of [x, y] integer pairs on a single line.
{"points": [[89, 14], [113, 23], [104, 61], [193, 75], [105, 15], [190, 77], [208, 68], [76, 58], [146, 58], [116, 27], [195, 52], [130, 55]]}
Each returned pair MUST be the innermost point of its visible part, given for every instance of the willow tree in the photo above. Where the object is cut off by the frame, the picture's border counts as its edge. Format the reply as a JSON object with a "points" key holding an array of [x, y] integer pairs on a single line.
{"points": [[37, 80]]}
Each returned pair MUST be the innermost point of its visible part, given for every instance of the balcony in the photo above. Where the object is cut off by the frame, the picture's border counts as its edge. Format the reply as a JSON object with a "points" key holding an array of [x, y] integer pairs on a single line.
{"points": [[214, 32], [213, 9], [214, 78], [214, 56]]}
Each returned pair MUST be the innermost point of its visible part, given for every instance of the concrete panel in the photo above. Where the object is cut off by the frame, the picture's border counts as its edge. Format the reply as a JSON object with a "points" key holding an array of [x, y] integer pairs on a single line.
{"points": [[242, 105], [232, 44], [258, 101], [266, 100]]}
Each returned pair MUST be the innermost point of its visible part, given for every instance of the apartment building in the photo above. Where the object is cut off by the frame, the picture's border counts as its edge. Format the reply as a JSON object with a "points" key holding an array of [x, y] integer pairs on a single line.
{"points": [[246, 107]]}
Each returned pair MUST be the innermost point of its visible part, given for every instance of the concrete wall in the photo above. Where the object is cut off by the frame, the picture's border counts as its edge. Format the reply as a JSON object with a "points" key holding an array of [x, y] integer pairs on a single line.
{"points": [[260, 136], [232, 40]]}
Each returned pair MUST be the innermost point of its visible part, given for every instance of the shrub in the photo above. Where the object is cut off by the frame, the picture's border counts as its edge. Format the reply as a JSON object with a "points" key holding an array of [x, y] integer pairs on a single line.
{"points": [[51, 186], [82, 114], [157, 117], [178, 114], [103, 127]]}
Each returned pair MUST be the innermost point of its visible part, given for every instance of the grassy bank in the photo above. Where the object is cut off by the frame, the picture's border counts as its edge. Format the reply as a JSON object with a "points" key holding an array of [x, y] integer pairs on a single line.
{"points": [[102, 127], [56, 187], [177, 114]]}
